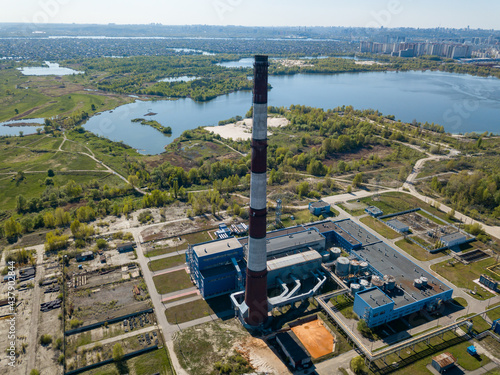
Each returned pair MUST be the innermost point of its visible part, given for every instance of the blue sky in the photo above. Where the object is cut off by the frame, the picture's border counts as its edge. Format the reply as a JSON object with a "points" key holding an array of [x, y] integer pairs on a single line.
{"points": [[372, 13]]}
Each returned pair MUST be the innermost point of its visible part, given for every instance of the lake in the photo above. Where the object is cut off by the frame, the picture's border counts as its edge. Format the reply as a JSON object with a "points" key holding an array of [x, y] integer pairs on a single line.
{"points": [[14, 130], [461, 103], [52, 69]]}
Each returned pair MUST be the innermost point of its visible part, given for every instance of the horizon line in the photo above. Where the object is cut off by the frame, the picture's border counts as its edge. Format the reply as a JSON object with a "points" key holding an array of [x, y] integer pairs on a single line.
{"points": [[244, 26]]}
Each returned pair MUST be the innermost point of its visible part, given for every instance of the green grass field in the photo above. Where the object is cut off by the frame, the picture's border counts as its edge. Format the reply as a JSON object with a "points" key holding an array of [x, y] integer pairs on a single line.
{"points": [[479, 324], [48, 97], [380, 228], [188, 239], [463, 275], [172, 282], [165, 263], [391, 203], [494, 314], [145, 364], [197, 309], [416, 251], [415, 362]]}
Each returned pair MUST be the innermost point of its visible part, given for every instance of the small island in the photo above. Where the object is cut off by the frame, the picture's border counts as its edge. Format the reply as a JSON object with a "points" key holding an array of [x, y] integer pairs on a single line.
{"points": [[155, 124]]}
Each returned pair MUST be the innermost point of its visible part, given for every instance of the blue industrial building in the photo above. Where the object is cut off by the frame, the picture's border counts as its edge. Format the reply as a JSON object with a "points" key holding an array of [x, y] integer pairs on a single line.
{"points": [[319, 208], [398, 286], [398, 226], [216, 267], [392, 286], [374, 211]]}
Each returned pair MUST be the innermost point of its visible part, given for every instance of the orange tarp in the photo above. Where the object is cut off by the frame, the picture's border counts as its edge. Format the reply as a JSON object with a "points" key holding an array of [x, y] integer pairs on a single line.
{"points": [[315, 337]]}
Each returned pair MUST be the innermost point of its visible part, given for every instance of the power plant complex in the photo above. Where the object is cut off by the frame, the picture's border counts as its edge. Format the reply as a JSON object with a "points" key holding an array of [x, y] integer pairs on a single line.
{"points": [[271, 270]]}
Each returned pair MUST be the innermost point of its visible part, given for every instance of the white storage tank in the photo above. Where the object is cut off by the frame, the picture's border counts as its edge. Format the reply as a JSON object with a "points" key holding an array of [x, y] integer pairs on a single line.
{"points": [[363, 266], [417, 283], [354, 267], [325, 256], [335, 252], [355, 288], [390, 282], [377, 281], [342, 266], [365, 284], [424, 280]]}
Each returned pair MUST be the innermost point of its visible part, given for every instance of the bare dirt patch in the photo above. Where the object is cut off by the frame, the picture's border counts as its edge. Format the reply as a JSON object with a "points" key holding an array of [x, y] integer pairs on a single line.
{"points": [[92, 305], [261, 357], [243, 129]]}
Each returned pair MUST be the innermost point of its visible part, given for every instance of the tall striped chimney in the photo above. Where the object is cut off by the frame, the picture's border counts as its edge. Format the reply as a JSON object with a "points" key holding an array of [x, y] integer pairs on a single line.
{"points": [[256, 283]]}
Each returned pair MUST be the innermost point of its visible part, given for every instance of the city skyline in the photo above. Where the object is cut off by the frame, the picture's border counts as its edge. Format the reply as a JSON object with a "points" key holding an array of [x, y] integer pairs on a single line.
{"points": [[359, 13]]}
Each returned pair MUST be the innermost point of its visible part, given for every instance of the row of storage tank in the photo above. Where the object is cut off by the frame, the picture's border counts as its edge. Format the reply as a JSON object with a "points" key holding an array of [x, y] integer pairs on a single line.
{"points": [[345, 267], [387, 283]]}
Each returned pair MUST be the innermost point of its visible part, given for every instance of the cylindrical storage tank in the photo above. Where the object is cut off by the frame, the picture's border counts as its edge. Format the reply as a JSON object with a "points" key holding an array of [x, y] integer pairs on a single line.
{"points": [[342, 267], [424, 281], [390, 282], [355, 288], [325, 256], [365, 284], [417, 283], [377, 281], [335, 252], [363, 266], [354, 267]]}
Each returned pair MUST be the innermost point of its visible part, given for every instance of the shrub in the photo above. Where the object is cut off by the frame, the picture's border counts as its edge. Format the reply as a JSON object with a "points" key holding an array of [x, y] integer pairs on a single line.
{"points": [[45, 340], [102, 243], [75, 323], [117, 352]]}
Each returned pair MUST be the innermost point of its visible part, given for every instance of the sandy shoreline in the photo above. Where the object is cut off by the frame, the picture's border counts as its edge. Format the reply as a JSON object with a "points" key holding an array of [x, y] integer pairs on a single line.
{"points": [[243, 129]]}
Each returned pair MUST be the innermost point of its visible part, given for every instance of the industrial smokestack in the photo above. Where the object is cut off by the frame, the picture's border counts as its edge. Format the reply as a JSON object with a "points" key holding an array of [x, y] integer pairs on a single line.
{"points": [[256, 284]]}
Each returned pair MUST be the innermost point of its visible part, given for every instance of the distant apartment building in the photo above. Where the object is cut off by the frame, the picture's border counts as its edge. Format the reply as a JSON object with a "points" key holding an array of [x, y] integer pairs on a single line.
{"points": [[406, 49]]}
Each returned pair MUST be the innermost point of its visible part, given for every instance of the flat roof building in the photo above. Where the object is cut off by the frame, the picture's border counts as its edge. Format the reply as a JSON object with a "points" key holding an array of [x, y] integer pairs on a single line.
{"points": [[374, 211], [300, 264], [358, 232], [294, 243], [443, 362], [398, 226], [86, 255], [319, 208], [293, 349], [453, 239], [216, 267], [402, 288], [126, 247]]}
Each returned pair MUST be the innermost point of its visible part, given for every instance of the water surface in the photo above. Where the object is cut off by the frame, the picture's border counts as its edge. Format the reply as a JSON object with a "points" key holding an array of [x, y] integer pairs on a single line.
{"points": [[460, 103]]}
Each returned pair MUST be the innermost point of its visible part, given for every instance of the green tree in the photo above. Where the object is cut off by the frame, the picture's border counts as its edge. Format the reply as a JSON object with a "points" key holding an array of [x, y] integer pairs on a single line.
{"points": [[358, 180], [12, 229], [358, 365], [117, 352], [303, 189], [50, 173], [21, 204], [62, 218], [133, 180]]}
